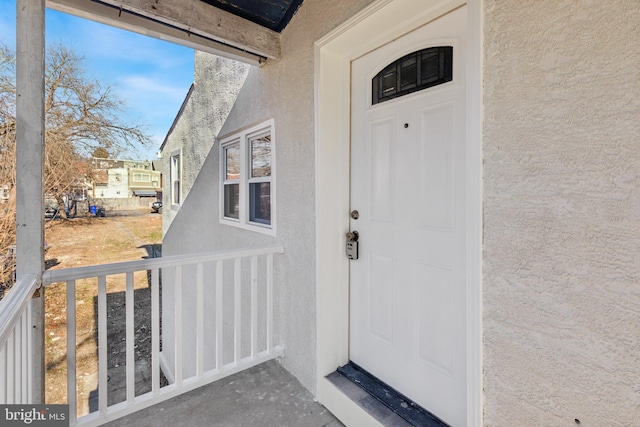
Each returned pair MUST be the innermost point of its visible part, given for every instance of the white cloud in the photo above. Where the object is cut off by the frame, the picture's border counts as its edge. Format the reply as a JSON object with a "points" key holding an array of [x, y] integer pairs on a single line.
{"points": [[109, 43], [155, 101], [148, 153], [137, 85]]}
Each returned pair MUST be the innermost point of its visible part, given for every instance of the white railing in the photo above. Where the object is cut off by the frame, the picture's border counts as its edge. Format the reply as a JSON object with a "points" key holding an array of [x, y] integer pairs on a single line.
{"points": [[16, 382], [210, 278]]}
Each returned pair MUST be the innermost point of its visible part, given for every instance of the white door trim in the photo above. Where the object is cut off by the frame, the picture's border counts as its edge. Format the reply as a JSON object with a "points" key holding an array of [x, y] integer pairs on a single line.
{"points": [[364, 32]]}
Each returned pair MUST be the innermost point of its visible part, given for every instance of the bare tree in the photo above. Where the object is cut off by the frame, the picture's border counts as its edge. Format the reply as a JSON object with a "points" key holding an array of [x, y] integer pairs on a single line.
{"points": [[81, 116], [7, 167]]}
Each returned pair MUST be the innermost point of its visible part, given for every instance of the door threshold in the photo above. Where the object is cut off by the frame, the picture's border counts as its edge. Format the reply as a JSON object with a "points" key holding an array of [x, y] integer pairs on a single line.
{"points": [[387, 405]]}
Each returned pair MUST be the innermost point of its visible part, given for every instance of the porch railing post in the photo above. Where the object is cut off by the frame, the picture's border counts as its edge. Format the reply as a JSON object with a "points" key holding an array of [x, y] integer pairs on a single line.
{"points": [[212, 331], [30, 53]]}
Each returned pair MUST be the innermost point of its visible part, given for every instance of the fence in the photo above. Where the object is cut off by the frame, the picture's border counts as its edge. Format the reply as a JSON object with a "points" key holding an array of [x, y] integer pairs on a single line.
{"points": [[116, 204]]}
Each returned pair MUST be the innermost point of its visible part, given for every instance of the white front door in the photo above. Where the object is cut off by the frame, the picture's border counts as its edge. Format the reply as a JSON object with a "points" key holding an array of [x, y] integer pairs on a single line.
{"points": [[408, 184]]}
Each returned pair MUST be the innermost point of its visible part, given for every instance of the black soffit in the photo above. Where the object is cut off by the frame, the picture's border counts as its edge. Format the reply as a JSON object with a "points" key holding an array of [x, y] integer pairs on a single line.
{"points": [[272, 14]]}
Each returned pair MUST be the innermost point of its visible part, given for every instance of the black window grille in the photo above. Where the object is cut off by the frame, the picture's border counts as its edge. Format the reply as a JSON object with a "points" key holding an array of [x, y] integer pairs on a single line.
{"points": [[413, 72]]}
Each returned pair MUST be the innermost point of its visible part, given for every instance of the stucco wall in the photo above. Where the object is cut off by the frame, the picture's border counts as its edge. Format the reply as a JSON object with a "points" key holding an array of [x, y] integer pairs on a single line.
{"points": [[282, 90], [217, 82], [562, 213]]}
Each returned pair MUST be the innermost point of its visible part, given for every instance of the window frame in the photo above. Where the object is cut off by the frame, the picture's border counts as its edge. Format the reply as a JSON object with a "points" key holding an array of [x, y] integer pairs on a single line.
{"points": [[141, 175], [246, 208], [226, 182], [444, 74], [175, 159]]}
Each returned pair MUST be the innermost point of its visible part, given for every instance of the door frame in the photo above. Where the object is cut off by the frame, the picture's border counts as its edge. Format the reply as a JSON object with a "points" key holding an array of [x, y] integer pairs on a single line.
{"points": [[366, 31]]}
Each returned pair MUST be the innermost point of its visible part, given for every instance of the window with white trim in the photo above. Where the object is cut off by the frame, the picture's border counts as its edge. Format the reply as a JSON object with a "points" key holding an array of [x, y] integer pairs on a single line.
{"points": [[141, 177], [175, 172], [247, 193], [231, 203]]}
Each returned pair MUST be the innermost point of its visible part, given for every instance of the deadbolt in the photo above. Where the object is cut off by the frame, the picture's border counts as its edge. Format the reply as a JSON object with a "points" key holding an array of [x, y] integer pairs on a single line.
{"points": [[355, 214]]}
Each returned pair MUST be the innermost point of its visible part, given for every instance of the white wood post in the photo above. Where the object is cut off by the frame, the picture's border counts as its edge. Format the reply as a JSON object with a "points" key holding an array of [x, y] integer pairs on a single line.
{"points": [[30, 52]]}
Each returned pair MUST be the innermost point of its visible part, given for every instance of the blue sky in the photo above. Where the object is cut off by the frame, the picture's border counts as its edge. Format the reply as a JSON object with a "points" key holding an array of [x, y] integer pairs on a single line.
{"points": [[150, 75]]}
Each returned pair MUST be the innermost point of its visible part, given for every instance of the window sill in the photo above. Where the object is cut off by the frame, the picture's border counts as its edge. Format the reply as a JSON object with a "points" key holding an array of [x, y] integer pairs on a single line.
{"points": [[258, 228]]}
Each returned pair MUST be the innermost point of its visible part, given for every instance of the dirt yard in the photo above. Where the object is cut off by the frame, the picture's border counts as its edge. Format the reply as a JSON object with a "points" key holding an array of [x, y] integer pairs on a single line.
{"points": [[91, 241]]}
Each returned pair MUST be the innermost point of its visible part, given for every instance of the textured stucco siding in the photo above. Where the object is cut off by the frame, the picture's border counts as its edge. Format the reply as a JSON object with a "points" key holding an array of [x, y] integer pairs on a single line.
{"points": [[217, 82], [282, 90], [562, 213]]}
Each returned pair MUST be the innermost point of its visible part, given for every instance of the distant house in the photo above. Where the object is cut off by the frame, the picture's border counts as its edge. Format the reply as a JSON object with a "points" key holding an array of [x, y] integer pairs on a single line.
{"points": [[115, 178], [4, 192], [82, 186]]}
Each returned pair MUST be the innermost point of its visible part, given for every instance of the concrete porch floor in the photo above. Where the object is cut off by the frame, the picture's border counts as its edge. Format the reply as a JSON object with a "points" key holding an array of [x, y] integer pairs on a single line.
{"points": [[265, 396]]}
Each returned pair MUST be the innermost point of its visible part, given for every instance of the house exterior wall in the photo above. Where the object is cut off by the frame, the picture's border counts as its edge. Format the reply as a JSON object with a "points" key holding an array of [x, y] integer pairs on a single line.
{"points": [[561, 213], [281, 90], [118, 178], [217, 83], [144, 179], [117, 184], [561, 204]]}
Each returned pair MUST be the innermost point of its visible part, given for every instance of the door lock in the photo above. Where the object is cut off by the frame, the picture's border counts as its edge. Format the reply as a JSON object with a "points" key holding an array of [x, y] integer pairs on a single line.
{"points": [[352, 245]]}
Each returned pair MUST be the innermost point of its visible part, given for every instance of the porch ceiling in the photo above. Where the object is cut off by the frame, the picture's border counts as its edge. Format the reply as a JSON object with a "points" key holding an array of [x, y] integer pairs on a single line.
{"points": [[272, 14], [241, 29]]}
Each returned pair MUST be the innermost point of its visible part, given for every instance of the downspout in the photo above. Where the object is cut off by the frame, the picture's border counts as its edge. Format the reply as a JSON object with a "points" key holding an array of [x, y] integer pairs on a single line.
{"points": [[30, 66]]}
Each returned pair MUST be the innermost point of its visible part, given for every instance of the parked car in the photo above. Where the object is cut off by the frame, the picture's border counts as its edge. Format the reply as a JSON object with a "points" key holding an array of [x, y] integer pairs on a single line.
{"points": [[51, 213], [156, 207]]}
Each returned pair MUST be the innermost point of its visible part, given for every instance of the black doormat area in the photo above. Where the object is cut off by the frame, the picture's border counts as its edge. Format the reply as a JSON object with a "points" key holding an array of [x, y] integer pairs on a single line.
{"points": [[413, 413]]}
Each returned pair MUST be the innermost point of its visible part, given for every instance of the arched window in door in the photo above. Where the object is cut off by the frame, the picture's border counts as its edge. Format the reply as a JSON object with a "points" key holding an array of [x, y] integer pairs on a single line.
{"points": [[413, 72]]}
